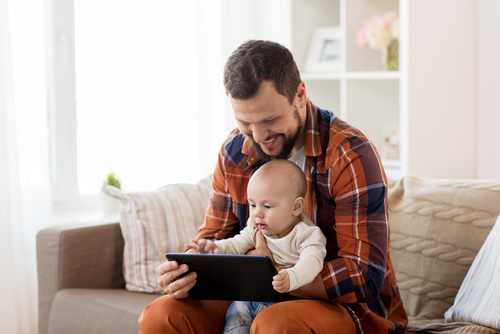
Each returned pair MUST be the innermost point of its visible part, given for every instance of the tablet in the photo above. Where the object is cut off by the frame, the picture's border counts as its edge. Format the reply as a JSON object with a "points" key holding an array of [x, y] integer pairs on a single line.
{"points": [[231, 277]]}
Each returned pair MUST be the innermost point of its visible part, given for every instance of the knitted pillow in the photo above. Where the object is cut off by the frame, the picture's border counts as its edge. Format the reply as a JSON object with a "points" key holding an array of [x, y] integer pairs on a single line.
{"points": [[154, 223], [437, 228]]}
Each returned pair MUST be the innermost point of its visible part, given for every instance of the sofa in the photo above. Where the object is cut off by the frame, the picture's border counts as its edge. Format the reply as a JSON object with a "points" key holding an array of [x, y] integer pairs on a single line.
{"points": [[97, 278]]}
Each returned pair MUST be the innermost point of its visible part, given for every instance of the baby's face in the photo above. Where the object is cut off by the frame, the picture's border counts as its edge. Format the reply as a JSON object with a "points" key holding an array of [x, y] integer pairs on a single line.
{"points": [[271, 207]]}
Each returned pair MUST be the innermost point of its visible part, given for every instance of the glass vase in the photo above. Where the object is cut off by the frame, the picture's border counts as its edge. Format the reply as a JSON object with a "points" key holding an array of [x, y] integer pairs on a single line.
{"points": [[389, 56]]}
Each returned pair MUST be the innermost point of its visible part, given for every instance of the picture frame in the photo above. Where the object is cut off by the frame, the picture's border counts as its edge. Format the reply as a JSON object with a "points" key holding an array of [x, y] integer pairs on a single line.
{"points": [[390, 148], [325, 50]]}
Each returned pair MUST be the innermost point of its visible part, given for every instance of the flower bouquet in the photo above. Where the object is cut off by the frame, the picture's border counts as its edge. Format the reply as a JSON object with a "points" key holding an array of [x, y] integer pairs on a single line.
{"points": [[382, 33]]}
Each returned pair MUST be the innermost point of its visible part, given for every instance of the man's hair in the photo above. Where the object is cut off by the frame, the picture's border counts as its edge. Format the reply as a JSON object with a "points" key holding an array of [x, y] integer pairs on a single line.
{"points": [[255, 61]]}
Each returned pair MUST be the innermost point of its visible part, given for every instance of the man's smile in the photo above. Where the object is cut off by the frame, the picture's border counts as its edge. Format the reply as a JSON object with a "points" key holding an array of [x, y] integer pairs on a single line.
{"points": [[270, 142]]}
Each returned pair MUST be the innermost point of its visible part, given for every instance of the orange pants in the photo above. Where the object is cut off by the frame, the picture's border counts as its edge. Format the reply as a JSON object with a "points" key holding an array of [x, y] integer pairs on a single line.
{"points": [[168, 315]]}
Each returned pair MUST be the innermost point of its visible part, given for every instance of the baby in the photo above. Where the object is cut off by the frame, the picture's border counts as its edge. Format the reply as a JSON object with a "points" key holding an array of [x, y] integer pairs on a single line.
{"points": [[276, 200]]}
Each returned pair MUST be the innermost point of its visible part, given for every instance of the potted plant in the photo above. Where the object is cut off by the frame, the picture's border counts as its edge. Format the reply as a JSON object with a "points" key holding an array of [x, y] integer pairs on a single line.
{"points": [[111, 203], [112, 180]]}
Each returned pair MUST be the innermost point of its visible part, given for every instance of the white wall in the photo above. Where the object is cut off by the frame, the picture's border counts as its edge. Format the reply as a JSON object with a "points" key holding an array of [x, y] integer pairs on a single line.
{"points": [[253, 19], [488, 89], [462, 35], [442, 88]]}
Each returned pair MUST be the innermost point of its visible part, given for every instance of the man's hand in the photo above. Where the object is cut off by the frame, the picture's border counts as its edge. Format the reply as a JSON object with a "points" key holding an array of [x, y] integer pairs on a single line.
{"points": [[314, 290], [281, 282], [168, 278]]}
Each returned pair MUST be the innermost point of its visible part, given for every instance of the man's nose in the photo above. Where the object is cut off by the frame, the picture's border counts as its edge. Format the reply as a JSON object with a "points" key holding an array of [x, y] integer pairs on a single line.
{"points": [[259, 134]]}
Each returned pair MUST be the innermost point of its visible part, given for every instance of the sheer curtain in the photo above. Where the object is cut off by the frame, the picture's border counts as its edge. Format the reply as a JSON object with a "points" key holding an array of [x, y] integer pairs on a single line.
{"points": [[24, 182], [25, 186]]}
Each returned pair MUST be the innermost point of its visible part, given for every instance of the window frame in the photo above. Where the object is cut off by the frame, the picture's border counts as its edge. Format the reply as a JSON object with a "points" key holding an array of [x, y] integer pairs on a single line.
{"points": [[61, 89], [61, 84]]}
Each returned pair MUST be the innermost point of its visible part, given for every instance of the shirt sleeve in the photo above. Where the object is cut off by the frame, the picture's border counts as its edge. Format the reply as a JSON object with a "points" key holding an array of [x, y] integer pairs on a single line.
{"points": [[358, 188], [220, 221], [312, 252]]}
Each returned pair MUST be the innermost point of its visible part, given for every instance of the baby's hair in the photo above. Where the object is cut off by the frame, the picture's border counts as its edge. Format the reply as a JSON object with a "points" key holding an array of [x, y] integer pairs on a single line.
{"points": [[295, 179]]}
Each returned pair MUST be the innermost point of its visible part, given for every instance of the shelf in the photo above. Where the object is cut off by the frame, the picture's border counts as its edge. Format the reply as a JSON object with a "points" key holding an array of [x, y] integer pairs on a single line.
{"points": [[373, 75], [365, 75], [321, 76], [432, 93], [358, 92]]}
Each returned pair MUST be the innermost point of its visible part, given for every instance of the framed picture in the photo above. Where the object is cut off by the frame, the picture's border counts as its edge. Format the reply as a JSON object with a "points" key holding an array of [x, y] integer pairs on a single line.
{"points": [[390, 148], [325, 52]]}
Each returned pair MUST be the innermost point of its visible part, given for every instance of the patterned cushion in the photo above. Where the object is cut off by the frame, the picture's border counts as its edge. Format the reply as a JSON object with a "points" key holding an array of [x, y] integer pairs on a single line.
{"points": [[437, 228], [154, 223], [478, 300]]}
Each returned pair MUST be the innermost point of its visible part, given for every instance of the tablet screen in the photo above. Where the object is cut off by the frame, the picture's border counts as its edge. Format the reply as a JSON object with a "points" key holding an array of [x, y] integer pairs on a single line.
{"points": [[231, 277]]}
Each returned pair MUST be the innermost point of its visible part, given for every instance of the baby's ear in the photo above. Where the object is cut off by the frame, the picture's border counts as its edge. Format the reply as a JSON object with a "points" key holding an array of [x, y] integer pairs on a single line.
{"points": [[298, 206]]}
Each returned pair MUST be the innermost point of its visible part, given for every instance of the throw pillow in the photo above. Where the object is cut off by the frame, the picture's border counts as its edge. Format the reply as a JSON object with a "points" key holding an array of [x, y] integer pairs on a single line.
{"points": [[154, 223], [478, 299], [437, 228]]}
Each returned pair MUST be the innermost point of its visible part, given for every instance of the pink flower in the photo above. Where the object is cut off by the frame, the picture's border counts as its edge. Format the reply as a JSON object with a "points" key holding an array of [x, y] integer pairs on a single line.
{"points": [[389, 18], [361, 38], [378, 31], [378, 36], [395, 29], [362, 35]]}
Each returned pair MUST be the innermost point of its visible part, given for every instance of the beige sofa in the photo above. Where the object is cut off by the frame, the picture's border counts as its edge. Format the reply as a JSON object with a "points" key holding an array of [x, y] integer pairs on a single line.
{"points": [[437, 228]]}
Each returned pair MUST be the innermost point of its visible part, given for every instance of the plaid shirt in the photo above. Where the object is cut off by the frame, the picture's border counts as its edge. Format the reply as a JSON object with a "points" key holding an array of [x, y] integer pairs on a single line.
{"points": [[346, 197]]}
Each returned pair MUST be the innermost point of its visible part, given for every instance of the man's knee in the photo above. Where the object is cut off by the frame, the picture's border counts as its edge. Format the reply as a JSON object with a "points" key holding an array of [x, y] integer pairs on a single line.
{"points": [[304, 316], [155, 317], [168, 315]]}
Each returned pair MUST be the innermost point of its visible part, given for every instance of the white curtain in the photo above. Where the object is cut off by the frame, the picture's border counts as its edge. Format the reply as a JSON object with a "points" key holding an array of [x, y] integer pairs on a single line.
{"points": [[25, 195], [24, 181]]}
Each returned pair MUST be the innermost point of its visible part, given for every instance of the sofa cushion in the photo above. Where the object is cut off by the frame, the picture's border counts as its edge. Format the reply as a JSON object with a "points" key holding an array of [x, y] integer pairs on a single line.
{"points": [[478, 300], [156, 222], [97, 311], [437, 228], [439, 326]]}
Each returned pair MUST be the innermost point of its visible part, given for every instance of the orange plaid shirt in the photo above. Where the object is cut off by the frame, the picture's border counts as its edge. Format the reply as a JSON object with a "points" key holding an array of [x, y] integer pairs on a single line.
{"points": [[346, 197]]}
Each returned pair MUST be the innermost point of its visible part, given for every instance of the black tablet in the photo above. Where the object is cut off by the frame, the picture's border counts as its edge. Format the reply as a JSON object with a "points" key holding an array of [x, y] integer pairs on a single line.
{"points": [[231, 277]]}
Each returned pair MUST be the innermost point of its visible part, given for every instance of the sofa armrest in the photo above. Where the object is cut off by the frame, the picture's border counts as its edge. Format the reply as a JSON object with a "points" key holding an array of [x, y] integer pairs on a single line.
{"points": [[77, 256]]}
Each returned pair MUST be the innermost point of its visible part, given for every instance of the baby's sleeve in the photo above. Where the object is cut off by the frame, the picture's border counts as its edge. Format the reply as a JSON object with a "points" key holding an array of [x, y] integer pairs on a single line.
{"points": [[239, 244], [312, 252]]}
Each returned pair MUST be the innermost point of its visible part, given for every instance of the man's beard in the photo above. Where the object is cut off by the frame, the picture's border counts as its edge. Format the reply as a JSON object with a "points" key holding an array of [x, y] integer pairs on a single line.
{"points": [[288, 144]]}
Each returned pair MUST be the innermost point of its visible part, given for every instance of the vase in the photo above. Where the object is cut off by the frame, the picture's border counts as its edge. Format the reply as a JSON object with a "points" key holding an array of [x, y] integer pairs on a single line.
{"points": [[389, 56], [110, 205]]}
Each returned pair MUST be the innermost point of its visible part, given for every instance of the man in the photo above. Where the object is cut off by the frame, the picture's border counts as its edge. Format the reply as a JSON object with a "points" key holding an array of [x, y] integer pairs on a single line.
{"points": [[356, 291]]}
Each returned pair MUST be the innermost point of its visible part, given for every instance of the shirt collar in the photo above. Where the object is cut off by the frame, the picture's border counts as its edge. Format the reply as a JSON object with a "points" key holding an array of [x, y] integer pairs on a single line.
{"points": [[313, 139]]}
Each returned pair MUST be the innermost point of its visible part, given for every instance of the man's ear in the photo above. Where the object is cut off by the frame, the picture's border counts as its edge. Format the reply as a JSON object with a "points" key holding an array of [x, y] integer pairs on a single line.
{"points": [[301, 94], [298, 206]]}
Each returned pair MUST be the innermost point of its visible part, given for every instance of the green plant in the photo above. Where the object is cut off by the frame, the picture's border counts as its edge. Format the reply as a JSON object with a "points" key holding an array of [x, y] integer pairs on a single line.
{"points": [[112, 180]]}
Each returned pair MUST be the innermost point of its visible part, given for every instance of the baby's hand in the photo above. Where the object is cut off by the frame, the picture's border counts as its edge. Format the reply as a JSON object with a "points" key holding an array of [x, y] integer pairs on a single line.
{"points": [[203, 246], [281, 282]]}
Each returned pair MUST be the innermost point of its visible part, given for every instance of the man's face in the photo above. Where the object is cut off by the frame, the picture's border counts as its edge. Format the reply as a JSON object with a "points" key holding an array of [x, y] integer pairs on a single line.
{"points": [[268, 119]]}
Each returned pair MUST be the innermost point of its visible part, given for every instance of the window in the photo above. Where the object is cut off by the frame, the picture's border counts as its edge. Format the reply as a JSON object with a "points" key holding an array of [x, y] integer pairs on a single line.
{"points": [[135, 89]]}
